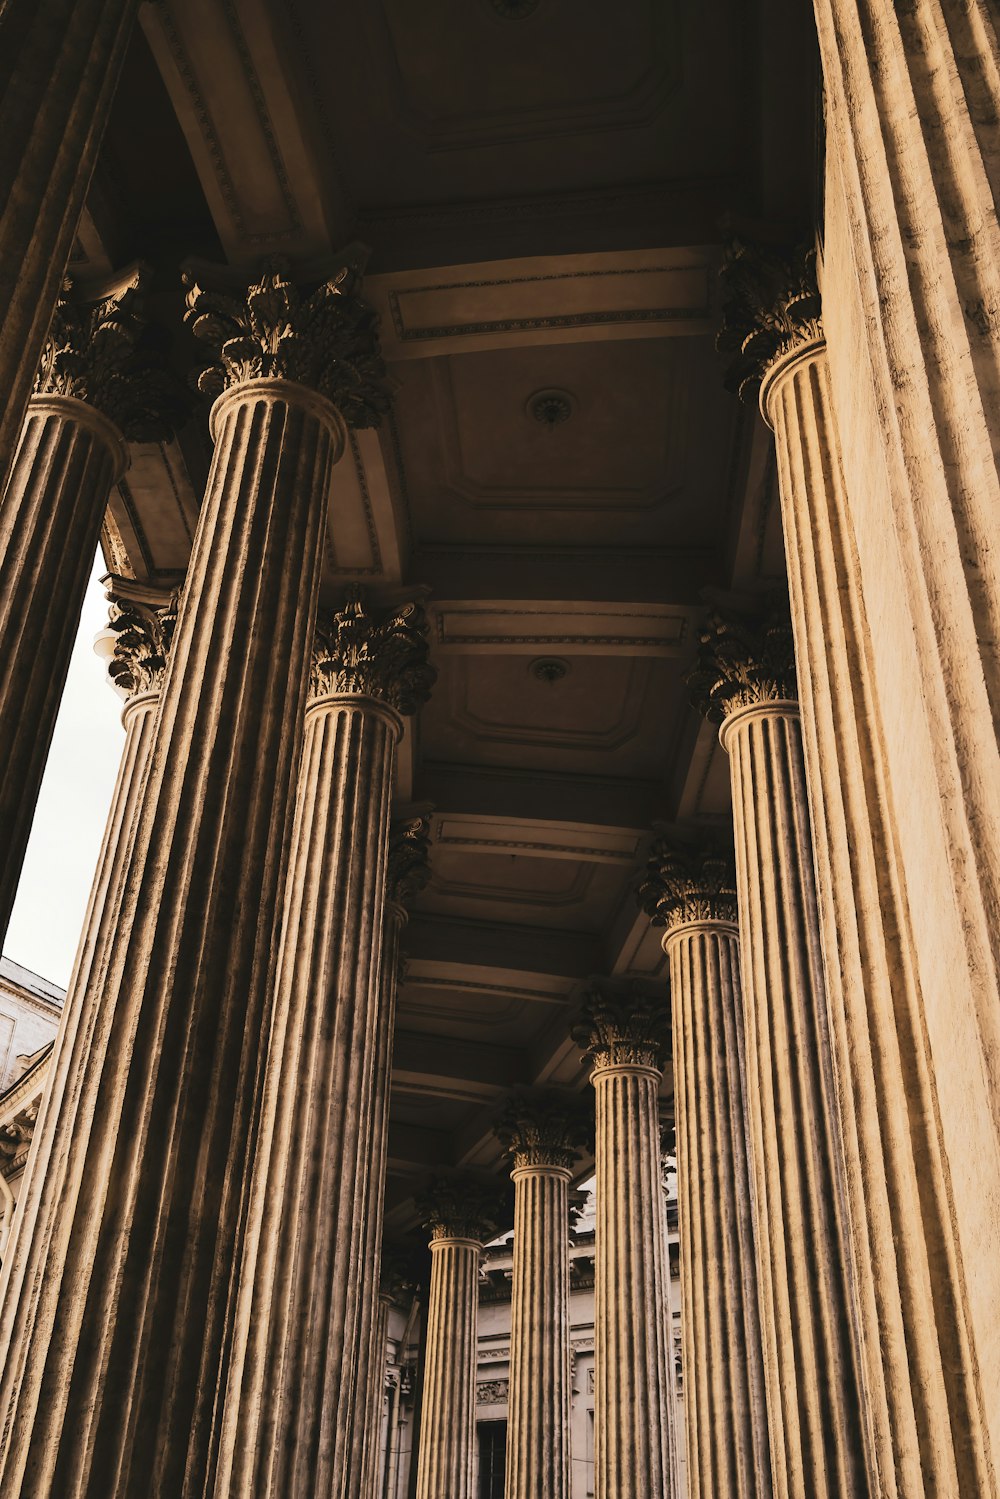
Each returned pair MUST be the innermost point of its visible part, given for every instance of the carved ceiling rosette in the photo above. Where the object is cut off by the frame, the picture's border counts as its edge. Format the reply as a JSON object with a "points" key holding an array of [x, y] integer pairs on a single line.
{"points": [[622, 1026], [361, 654], [143, 633], [744, 660], [461, 1206], [545, 1127], [326, 340], [685, 883], [771, 308], [101, 351]]}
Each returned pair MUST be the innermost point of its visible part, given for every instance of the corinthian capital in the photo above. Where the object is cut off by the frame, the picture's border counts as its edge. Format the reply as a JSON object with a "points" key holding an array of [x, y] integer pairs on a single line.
{"points": [[545, 1127], [620, 1026], [686, 883], [141, 622], [743, 660], [771, 309], [326, 339], [463, 1206], [409, 848], [97, 350], [385, 657]]}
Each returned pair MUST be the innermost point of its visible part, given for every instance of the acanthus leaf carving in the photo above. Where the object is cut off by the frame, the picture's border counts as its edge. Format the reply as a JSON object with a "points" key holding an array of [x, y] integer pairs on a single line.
{"points": [[409, 850], [461, 1206], [545, 1127], [101, 351], [143, 634], [326, 340], [744, 660], [686, 883], [359, 654], [620, 1025], [771, 309]]}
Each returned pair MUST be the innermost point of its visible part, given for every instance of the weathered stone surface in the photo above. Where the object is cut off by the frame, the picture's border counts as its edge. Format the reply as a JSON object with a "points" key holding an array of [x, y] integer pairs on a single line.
{"points": [[624, 1034], [60, 64], [461, 1213], [133, 1206], [909, 277], [541, 1132], [919, 1373], [298, 1393], [814, 1400], [690, 889]]}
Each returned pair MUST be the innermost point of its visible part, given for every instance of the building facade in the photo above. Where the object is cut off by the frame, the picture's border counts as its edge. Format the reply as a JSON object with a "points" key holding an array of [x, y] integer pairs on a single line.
{"points": [[546, 466]]}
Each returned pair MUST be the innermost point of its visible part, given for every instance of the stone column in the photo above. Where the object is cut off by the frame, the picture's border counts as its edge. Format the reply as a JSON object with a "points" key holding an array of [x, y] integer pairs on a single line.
{"points": [[922, 1382], [408, 873], [117, 1301], [745, 680], [911, 272], [461, 1214], [59, 66], [541, 1132], [299, 1386], [91, 392], [394, 1278], [690, 890], [624, 1034]]}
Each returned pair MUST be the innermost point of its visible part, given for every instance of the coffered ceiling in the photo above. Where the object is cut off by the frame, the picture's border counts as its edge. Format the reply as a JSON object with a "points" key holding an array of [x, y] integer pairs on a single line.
{"points": [[545, 186]]}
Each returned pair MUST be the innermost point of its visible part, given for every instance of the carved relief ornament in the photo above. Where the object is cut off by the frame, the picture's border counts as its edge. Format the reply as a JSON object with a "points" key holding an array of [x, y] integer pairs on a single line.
{"points": [[620, 1026], [360, 655], [743, 660], [143, 633], [461, 1207], [326, 340], [545, 1128], [686, 883], [99, 350], [409, 850], [771, 310]]}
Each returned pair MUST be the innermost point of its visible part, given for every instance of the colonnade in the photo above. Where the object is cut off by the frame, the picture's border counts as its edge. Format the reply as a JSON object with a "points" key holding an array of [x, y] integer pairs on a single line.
{"points": [[190, 1304]]}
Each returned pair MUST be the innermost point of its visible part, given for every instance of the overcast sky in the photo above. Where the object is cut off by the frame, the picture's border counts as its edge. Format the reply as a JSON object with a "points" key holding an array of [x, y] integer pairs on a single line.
{"points": [[69, 823]]}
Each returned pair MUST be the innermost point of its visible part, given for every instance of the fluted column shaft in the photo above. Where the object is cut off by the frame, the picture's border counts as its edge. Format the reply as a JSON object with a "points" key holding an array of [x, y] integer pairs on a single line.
{"points": [[813, 1394], [922, 1381], [59, 66], [624, 1034], [538, 1449], [446, 1460], [725, 1415], [372, 1448], [309, 1283], [68, 458], [115, 1301]]}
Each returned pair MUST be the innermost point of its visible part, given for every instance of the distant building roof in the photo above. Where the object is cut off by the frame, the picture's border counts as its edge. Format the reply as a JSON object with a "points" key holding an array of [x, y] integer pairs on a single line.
{"points": [[25, 979]]}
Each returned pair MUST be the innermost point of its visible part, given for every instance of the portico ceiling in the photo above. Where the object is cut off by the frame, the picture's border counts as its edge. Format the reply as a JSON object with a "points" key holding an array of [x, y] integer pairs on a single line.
{"points": [[545, 198]]}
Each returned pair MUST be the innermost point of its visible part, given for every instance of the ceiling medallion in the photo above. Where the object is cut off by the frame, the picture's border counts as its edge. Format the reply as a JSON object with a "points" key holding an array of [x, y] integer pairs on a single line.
{"points": [[514, 10], [550, 407], [549, 669]]}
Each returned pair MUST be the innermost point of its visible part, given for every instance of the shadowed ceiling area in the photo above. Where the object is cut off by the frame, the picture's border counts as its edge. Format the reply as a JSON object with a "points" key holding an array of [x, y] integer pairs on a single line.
{"points": [[545, 190]]}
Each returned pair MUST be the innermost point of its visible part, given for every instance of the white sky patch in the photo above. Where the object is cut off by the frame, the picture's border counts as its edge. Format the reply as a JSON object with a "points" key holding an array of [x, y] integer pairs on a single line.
{"points": [[72, 809]]}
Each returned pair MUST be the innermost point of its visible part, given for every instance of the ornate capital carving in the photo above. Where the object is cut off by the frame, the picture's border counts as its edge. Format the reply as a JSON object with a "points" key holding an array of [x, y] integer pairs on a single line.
{"points": [[545, 1127], [463, 1206], [397, 1271], [771, 308], [326, 339], [620, 1026], [101, 351], [686, 883], [743, 660], [142, 625], [357, 654], [409, 849]]}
